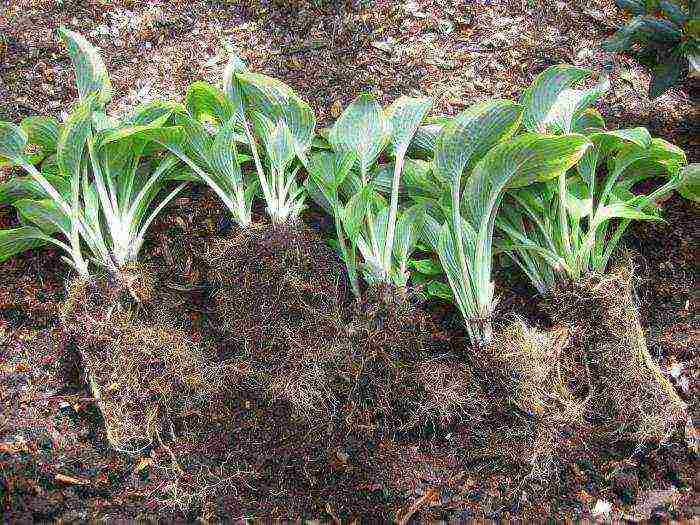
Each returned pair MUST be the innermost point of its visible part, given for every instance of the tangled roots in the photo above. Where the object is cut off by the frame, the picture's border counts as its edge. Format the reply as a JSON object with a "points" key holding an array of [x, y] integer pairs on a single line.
{"points": [[539, 374], [141, 371], [142, 376], [630, 398], [398, 371]]}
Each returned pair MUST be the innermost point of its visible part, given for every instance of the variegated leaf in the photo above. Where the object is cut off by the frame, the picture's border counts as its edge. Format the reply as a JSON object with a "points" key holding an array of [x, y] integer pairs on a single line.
{"points": [[90, 72], [362, 129], [467, 138]]}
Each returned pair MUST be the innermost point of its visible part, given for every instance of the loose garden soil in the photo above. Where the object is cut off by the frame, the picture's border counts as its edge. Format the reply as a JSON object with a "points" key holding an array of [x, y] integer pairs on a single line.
{"points": [[239, 454]]}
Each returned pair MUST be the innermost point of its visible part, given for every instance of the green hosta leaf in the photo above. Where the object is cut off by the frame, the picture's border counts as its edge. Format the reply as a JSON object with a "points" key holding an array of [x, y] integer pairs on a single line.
{"points": [[119, 135], [42, 131], [431, 232], [223, 157], [154, 113], [439, 290], [18, 240], [665, 75], [423, 142], [405, 115], [636, 7], [579, 202], [90, 72], [426, 266], [18, 188], [460, 284], [101, 121], [321, 196], [280, 146], [73, 137], [666, 153], [418, 179], [519, 162], [277, 101], [552, 104], [622, 210], [330, 169], [190, 135], [362, 129], [588, 120], [45, 214], [207, 103], [382, 177], [690, 183], [354, 213], [623, 39], [232, 88], [465, 139], [379, 225], [408, 228], [91, 204], [13, 141], [608, 142]]}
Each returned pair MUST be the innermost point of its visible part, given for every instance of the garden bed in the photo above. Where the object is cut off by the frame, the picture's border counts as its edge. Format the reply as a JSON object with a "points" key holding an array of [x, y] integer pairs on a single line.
{"points": [[251, 450]]}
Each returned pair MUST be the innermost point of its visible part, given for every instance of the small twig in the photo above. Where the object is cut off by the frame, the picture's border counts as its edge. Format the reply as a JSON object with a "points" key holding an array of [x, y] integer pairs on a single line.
{"points": [[427, 498]]}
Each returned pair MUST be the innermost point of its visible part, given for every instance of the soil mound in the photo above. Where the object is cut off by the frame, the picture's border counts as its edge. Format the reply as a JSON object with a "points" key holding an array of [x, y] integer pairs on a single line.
{"points": [[141, 368], [628, 397]]}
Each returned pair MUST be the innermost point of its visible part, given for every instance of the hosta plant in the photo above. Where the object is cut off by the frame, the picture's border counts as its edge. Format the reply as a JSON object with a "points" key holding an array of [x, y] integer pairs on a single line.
{"points": [[88, 182], [477, 157], [570, 226], [664, 35], [253, 114], [363, 194]]}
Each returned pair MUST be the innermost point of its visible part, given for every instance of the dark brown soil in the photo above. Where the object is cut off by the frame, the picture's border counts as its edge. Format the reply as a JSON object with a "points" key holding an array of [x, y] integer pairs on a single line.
{"points": [[55, 462], [272, 285]]}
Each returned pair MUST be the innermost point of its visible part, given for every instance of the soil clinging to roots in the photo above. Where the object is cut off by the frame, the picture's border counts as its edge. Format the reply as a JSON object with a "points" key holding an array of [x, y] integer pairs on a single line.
{"points": [[275, 288], [279, 295], [399, 371], [629, 398], [140, 366]]}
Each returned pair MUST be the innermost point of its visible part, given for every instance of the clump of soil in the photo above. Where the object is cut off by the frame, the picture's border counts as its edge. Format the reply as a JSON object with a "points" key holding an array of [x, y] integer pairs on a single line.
{"points": [[399, 371], [275, 288], [140, 366], [278, 297], [628, 397]]}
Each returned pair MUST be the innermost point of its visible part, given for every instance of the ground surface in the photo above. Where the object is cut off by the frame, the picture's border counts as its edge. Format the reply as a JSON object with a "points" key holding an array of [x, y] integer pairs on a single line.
{"points": [[54, 460]]}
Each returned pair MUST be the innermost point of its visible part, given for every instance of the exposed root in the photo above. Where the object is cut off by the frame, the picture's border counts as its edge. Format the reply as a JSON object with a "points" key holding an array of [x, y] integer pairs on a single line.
{"points": [[630, 398], [143, 376], [398, 372], [539, 374], [142, 371]]}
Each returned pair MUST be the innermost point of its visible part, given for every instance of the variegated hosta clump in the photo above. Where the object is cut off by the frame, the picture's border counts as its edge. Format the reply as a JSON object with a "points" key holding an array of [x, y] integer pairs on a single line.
{"points": [[570, 226], [256, 114], [93, 186], [92, 181], [276, 286], [476, 157], [351, 182]]}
